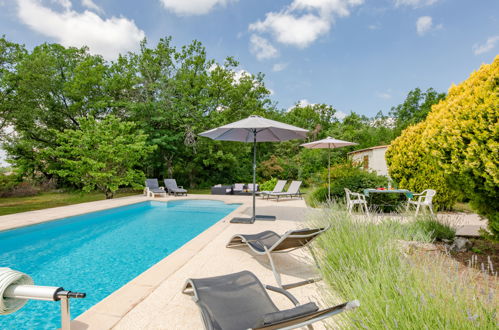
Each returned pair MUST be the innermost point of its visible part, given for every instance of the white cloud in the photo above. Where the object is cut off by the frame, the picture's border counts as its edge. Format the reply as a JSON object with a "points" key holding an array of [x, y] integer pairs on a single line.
{"points": [[303, 21], [279, 67], [340, 115], [66, 4], [192, 7], [415, 3], [262, 48], [374, 27], [91, 5], [107, 37], [487, 46], [384, 95], [424, 24]]}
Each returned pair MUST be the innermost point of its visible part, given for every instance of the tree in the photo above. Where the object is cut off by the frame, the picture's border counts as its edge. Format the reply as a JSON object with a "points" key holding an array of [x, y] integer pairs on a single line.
{"points": [[50, 89], [101, 155], [415, 108]]}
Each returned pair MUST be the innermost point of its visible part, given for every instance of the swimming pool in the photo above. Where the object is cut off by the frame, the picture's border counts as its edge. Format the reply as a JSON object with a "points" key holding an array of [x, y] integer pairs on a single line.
{"points": [[99, 252]]}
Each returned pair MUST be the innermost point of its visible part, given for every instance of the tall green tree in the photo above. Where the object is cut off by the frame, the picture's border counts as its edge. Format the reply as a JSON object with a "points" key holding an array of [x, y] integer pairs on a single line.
{"points": [[103, 155], [415, 108]]}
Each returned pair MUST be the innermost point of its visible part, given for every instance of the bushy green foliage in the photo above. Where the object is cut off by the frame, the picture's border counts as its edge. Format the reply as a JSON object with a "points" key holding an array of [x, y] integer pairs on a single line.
{"points": [[435, 229], [456, 149], [268, 185], [7, 183], [412, 165], [415, 108], [101, 154], [347, 176], [371, 262]]}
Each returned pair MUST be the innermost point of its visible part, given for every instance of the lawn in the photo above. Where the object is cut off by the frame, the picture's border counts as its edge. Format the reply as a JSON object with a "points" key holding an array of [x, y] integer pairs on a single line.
{"points": [[47, 200]]}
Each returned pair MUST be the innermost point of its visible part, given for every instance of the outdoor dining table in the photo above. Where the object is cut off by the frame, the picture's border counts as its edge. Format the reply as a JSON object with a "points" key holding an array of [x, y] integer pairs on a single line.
{"points": [[388, 207], [407, 193]]}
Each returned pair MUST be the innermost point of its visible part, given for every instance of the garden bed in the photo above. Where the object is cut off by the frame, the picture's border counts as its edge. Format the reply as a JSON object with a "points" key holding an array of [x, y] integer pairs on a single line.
{"points": [[398, 287]]}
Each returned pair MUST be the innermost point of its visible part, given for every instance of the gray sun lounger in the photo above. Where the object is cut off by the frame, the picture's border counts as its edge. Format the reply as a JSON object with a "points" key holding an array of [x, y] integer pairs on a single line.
{"points": [[172, 188], [152, 188], [268, 242], [293, 190], [279, 187], [240, 301]]}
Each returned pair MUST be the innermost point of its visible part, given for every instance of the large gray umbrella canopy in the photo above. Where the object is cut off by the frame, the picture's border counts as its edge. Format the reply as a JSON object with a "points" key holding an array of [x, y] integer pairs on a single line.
{"points": [[256, 129], [328, 143]]}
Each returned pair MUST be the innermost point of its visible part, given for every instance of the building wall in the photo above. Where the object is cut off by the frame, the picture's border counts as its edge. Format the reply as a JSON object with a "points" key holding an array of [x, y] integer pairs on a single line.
{"points": [[376, 160]]}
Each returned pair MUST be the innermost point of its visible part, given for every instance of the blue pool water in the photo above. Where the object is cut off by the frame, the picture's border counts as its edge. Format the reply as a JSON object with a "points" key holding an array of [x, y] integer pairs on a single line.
{"points": [[99, 252]]}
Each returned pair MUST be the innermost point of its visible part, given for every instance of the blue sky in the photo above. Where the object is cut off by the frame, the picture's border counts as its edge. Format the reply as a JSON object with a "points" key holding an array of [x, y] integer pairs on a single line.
{"points": [[357, 55]]}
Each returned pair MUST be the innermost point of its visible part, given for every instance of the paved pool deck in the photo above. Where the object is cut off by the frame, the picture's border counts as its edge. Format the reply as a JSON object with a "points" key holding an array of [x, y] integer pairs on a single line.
{"points": [[153, 300]]}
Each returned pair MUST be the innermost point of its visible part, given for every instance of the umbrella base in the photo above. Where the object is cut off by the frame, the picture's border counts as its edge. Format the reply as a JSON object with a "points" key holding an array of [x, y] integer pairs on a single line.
{"points": [[251, 220], [265, 217], [242, 220]]}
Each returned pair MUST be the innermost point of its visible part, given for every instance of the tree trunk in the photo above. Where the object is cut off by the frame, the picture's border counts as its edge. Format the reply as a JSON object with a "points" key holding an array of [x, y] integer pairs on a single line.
{"points": [[109, 194], [169, 166]]}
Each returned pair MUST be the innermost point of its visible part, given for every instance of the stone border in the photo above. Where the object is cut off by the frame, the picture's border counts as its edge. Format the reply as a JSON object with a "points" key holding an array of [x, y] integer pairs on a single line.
{"points": [[109, 311]]}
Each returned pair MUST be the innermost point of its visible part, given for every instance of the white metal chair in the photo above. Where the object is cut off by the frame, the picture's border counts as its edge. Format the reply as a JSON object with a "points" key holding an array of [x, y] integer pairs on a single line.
{"points": [[355, 199], [425, 198]]}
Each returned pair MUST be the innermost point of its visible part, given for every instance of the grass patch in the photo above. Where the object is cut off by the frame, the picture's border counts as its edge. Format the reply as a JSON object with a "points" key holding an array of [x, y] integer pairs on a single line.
{"points": [[396, 288], [202, 191], [47, 200], [435, 229]]}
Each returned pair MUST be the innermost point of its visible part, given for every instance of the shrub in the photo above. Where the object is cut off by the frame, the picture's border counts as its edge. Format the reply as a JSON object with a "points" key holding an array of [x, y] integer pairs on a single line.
{"points": [[456, 149], [268, 185], [7, 183], [434, 228], [347, 176], [397, 290], [413, 166]]}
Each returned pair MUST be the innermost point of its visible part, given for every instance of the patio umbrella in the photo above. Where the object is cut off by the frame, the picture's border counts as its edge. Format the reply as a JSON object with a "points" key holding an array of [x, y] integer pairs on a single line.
{"points": [[256, 129], [328, 143]]}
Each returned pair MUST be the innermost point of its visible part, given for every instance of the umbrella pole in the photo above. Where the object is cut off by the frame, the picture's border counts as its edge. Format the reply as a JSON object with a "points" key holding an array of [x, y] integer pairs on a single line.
{"points": [[329, 172], [254, 172]]}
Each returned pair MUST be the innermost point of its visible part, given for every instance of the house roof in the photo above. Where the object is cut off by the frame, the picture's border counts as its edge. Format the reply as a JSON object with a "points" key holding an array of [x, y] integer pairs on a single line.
{"points": [[367, 149]]}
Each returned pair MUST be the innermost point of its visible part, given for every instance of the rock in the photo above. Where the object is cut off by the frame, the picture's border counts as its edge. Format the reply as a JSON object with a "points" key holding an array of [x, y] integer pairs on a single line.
{"points": [[461, 244]]}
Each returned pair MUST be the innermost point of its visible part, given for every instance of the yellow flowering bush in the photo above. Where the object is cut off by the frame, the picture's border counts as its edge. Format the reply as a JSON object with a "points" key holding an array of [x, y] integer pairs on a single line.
{"points": [[456, 149], [414, 167]]}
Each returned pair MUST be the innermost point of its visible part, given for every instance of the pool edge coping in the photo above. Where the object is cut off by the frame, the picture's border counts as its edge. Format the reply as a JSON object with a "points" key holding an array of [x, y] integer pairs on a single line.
{"points": [[109, 311]]}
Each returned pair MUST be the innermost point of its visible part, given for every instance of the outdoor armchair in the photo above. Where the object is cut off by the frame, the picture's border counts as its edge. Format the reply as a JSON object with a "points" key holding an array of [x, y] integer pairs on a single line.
{"points": [[293, 190], [152, 188], [268, 242], [355, 199], [172, 188], [238, 188], [240, 301], [250, 187], [425, 198]]}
